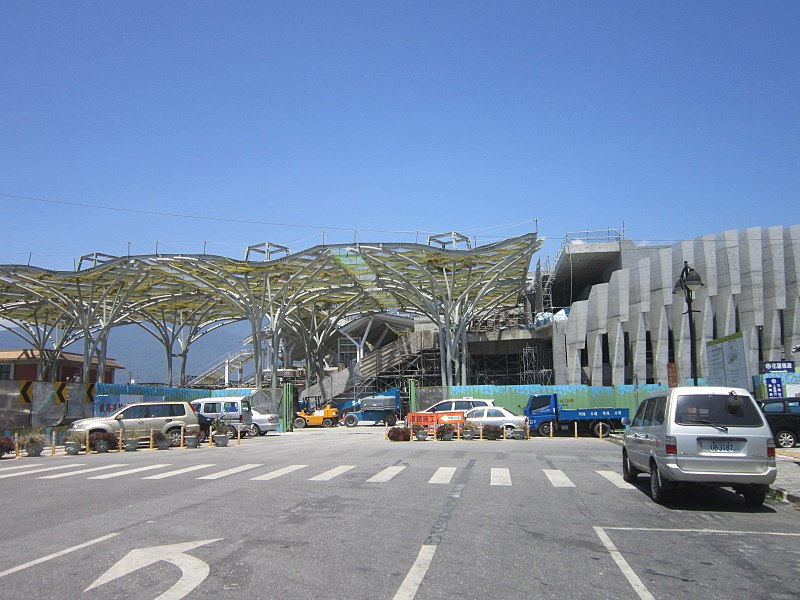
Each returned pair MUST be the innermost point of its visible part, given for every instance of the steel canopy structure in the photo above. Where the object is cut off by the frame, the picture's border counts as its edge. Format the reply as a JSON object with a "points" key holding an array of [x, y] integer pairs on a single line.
{"points": [[300, 297]]}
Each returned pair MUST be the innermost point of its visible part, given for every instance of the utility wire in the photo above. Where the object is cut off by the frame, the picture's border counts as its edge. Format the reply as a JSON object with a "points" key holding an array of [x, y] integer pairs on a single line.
{"points": [[229, 220]]}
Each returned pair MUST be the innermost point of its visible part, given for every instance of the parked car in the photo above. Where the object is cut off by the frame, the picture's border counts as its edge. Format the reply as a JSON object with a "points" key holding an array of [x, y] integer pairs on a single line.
{"points": [[140, 418], [462, 404], [495, 415], [236, 410], [712, 436], [783, 416], [263, 423]]}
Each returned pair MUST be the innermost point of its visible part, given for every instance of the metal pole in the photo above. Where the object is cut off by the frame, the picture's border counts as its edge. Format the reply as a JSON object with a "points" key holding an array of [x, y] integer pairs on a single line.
{"points": [[692, 346]]}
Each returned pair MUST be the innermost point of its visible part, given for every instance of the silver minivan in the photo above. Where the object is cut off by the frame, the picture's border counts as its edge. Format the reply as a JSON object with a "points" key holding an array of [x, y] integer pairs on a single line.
{"points": [[236, 411], [712, 436]]}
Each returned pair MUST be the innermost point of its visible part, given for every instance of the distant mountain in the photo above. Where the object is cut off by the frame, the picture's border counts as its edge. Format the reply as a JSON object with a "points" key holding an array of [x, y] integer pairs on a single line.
{"points": [[144, 358]]}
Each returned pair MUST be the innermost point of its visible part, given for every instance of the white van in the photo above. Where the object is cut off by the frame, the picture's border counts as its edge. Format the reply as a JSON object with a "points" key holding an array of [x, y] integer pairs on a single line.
{"points": [[235, 409], [712, 436]]}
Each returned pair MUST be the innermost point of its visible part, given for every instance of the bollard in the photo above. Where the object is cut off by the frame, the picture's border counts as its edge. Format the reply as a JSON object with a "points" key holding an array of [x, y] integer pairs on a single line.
{"points": [[183, 427], [576, 430], [88, 448], [551, 430], [151, 440], [600, 431], [385, 431], [121, 445], [53, 443], [16, 445], [210, 438], [239, 436]]}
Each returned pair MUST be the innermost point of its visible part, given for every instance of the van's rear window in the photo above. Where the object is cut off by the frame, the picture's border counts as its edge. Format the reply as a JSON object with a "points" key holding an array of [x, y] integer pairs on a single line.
{"points": [[709, 409]]}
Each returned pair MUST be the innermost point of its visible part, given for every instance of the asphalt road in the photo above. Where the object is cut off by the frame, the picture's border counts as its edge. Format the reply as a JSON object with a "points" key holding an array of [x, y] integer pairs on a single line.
{"points": [[343, 513]]}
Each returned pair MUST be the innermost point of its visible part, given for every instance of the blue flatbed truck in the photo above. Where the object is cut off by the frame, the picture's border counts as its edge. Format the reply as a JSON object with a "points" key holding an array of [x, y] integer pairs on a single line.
{"points": [[385, 407], [544, 413]]}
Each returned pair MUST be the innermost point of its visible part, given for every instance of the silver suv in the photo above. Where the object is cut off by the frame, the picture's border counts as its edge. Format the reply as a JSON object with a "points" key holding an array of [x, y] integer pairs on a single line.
{"points": [[140, 418], [711, 436]]}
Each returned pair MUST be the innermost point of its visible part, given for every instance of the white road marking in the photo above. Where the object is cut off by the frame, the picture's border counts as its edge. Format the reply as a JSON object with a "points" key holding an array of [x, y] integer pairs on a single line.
{"points": [[193, 570], [40, 470], [15, 467], [443, 475], [278, 473], [328, 475], [558, 479], [39, 561], [80, 471], [128, 472], [232, 471], [178, 472], [623, 565], [386, 474], [617, 480], [500, 476], [408, 589]]}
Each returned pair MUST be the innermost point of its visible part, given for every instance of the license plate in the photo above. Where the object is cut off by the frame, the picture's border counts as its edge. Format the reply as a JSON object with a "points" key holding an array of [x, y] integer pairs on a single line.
{"points": [[720, 446]]}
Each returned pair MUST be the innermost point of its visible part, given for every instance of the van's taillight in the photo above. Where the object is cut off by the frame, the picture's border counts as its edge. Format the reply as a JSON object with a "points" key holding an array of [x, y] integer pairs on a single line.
{"points": [[770, 448], [671, 445]]}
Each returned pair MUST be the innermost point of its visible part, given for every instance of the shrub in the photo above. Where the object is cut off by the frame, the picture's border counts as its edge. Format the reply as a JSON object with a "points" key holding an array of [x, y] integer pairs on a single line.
{"points": [[103, 436], [492, 432], [444, 429], [6, 445], [32, 436], [399, 434]]}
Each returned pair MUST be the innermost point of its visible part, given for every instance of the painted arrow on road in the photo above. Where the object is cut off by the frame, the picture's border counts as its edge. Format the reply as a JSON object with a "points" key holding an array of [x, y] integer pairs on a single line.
{"points": [[193, 570]]}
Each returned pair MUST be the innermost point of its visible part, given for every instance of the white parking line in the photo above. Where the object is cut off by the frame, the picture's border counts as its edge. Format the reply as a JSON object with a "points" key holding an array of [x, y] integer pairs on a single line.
{"points": [[232, 471], [328, 475], [128, 472], [39, 561], [558, 479], [278, 473], [177, 472], [500, 476], [408, 589], [443, 475], [623, 565], [386, 474], [40, 470], [617, 480], [80, 471]]}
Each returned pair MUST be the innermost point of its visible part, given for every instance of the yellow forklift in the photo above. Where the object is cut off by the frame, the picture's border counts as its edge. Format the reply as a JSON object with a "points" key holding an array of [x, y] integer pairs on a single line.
{"points": [[316, 413]]}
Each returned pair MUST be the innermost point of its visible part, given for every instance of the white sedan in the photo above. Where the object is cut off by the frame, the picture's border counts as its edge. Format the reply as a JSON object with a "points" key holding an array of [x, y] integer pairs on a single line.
{"points": [[495, 415], [263, 422]]}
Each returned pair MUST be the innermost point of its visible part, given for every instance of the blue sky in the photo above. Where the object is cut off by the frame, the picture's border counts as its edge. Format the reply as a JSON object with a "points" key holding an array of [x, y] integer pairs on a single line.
{"points": [[294, 122]]}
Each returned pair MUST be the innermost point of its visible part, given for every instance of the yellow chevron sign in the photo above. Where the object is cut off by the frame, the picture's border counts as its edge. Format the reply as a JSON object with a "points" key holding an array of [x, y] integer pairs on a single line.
{"points": [[89, 393], [61, 393], [25, 391]]}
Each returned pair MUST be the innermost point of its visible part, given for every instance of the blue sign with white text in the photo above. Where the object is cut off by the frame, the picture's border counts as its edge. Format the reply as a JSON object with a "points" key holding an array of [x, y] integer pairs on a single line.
{"points": [[774, 387]]}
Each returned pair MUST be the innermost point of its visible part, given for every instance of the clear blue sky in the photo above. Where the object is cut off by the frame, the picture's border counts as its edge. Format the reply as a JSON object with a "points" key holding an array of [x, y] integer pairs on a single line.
{"points": [[675, 119]]}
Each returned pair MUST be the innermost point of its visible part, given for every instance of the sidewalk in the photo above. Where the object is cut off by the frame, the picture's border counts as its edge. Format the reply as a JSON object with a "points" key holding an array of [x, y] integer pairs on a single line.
{"points": [[788, 481]]}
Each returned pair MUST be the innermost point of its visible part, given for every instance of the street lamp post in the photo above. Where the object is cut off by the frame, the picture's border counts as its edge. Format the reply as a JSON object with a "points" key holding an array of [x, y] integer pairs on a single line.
{"points": [[689, 281]]}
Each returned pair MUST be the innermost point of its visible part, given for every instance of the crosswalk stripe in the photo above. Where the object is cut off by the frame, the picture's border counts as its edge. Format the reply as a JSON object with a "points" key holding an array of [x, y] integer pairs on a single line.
{"points": [[278, 473], [15, 467], [617, 480], [328, 475], [557, 478], [500, 476], [128, 471], [81, 471], [232, 471], [386, 474], [177, 472], [39, 470], [443, 475]]}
